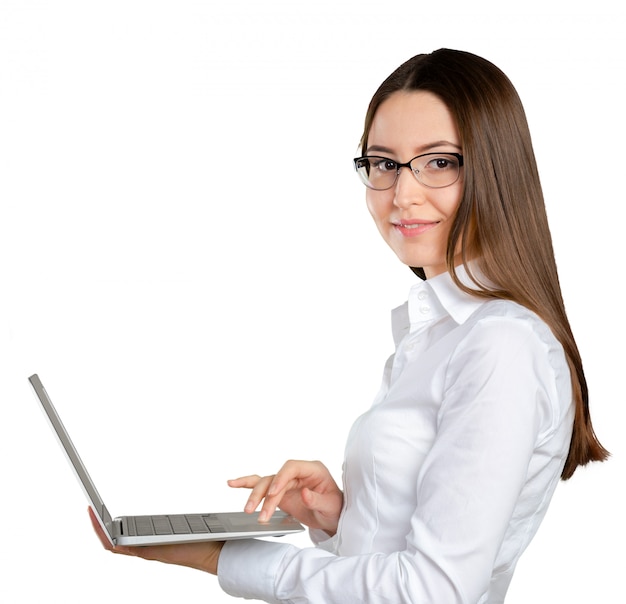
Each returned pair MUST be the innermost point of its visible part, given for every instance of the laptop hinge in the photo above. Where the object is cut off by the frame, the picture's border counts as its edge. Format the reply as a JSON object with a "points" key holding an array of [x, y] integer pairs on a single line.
{"points": [[120, 527]]}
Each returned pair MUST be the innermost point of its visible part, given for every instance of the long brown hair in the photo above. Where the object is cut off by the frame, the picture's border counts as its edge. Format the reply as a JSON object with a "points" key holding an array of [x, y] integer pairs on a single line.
{"points": [[501, 221]]}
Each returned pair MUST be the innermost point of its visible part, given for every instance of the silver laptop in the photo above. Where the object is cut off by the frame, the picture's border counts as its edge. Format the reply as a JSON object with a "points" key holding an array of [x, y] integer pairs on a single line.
{"points": [[165, 528]]}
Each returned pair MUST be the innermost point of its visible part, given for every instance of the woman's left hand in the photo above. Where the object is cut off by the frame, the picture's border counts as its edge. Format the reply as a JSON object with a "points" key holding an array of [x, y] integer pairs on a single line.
{"points": [[201, 556]]}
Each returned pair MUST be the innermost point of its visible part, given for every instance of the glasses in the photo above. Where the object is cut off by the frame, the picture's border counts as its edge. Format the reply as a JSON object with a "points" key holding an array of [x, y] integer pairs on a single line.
{"points": [[434, 170]]}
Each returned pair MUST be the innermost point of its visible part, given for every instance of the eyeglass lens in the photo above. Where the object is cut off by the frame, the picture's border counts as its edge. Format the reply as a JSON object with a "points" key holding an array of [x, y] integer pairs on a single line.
{"points": [[434, 170]]}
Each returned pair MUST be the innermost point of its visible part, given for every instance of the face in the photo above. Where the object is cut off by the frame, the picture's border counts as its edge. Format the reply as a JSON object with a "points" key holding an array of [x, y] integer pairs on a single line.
{"points": [[413, 219]]}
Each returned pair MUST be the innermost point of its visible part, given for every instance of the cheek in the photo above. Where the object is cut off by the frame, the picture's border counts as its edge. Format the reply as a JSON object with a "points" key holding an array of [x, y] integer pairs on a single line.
{"points": [[451, 199], [377, 204]]}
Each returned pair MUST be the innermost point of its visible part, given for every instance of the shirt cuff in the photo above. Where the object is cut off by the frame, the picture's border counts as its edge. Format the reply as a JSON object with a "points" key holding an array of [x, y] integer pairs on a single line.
{"points": [[247, 568]]}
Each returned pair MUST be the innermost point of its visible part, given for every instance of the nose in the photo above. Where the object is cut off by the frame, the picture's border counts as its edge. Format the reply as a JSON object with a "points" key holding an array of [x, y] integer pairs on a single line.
{"points": [[408, 191]]}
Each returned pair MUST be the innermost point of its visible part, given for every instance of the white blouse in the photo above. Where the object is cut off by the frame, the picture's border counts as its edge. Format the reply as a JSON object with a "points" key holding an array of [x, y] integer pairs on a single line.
{"points": [[448, 475]]}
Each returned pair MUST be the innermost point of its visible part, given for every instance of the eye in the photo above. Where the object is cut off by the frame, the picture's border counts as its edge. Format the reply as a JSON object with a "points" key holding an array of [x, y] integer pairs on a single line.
{"points": [[443, 162], [383, 164]]}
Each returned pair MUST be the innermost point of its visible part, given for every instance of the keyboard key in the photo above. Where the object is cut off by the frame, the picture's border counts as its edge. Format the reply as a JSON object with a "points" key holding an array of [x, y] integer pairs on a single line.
{"points": [[215, 526], [144, 525], [196, 524], [162, 525], [180, 526]]}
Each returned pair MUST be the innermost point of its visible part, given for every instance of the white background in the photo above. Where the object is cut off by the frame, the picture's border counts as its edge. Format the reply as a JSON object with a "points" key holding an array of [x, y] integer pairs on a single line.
{"points": [[187, 261]]}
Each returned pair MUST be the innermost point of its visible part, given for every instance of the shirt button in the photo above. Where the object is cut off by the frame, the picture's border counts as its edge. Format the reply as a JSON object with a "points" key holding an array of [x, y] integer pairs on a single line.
{"points": [[422, 295], [424, 309]]}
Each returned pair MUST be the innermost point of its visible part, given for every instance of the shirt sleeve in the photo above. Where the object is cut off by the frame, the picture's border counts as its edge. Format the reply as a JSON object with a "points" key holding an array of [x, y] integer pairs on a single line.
{"points": [[500, 404]]}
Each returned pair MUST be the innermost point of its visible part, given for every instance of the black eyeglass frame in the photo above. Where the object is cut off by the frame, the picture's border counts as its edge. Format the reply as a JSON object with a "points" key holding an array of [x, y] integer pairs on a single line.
{"points": [[399, 167]]}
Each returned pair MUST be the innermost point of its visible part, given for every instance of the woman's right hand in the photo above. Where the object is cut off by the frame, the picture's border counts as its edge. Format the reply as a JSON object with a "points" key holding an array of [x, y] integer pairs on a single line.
{"points": [[304, 489]]}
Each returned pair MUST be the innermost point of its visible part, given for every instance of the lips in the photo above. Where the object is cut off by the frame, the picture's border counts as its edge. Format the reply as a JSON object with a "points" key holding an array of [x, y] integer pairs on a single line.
{"points": [[413, 228]]}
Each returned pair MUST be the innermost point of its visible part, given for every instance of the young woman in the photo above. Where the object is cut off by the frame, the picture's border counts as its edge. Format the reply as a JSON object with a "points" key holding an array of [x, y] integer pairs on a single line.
{"points": [[483, 406]]}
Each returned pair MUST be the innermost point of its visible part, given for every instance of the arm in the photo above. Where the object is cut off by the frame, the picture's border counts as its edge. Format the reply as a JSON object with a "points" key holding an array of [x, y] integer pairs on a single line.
{"points": [[502, 434], [498, 407], [303, 489]]}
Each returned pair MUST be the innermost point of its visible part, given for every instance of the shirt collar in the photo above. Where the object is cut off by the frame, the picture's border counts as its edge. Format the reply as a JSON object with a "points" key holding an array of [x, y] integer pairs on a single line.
{"points": [[435, 298]]}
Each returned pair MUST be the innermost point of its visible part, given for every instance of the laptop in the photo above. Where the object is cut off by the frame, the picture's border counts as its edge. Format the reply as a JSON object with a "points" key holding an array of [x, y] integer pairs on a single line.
{"points": [[164, 528]]}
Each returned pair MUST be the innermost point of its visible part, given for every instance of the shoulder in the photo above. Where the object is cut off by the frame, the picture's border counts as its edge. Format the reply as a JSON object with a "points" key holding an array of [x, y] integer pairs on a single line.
{"points": [[507, 321], [504, 336], [508, 355]]}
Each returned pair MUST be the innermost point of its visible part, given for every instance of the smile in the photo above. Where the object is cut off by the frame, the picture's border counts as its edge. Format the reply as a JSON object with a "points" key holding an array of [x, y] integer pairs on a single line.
{"points": [[413, 228]]}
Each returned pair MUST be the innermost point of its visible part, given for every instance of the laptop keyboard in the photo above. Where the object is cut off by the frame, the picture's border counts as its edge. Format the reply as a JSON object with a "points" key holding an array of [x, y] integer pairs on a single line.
{"points": [[179, 524]]}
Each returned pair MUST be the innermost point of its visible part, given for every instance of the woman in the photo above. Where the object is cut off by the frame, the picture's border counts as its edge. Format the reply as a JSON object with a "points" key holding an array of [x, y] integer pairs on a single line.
{"points": [[483, 406]]}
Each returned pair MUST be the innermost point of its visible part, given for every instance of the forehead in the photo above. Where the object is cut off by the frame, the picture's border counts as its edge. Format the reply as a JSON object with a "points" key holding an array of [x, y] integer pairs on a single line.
{"points": [[414, 119]]}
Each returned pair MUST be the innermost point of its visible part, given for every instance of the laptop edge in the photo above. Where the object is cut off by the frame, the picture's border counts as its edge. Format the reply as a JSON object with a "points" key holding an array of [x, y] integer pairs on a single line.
{"points": [[239, 524]]}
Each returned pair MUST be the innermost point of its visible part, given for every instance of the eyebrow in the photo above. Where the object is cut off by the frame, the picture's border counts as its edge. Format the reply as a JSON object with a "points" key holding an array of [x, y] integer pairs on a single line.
{"points": [[422, 149]]}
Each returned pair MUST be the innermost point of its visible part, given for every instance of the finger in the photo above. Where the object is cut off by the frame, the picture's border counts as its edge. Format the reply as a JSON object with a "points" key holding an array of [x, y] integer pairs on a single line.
{"points": [[244, 482], [317, 502], [277, 494], [258, 493], [105, 540], [98, 530], [249, 482], [259, 488], [288, 476]]}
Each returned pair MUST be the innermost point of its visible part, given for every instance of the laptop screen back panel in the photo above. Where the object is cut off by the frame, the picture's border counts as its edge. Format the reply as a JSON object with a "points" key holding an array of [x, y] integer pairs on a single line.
{"points": [[79, 468]]}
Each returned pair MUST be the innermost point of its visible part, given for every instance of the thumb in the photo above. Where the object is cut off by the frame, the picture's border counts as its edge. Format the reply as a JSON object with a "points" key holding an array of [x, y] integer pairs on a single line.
{"points": [[315, 502]]}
